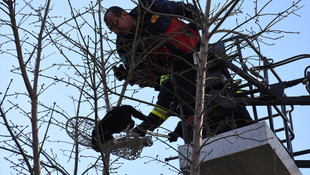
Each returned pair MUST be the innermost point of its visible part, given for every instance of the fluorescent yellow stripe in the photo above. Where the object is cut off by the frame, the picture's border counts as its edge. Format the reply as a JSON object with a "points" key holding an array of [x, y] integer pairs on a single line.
{"points": [[163, 78], [160, 113], [239, 90]]}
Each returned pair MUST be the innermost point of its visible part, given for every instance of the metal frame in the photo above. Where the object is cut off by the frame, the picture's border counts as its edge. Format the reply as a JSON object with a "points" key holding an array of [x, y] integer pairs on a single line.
{"points": [[270, 95]]}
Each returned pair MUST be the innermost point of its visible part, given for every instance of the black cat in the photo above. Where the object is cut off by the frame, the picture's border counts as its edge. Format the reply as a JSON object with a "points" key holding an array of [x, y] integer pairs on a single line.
{"points": [[115, 121]]}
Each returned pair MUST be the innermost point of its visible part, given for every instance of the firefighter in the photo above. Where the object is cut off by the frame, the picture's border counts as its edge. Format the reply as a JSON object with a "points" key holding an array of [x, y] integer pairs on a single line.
{"points": [[168, 43], [153, 43]]}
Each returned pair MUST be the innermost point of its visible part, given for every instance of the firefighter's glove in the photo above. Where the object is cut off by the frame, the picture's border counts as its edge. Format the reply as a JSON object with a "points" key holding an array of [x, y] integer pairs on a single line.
{"points": [[120, 72], [145, 126], [178, 132], [173, 137], [150, 124], [141, 129], [307, 81]]}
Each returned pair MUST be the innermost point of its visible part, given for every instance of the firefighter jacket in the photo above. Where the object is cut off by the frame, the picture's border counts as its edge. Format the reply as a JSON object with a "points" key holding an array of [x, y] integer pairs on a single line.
{"points": [[160, 38]]}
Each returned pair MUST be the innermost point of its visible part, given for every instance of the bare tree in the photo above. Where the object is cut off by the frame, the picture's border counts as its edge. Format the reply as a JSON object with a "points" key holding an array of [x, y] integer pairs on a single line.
{"points": [[75, 53], [76, 59], [33, 45], [32, 90], [214, 19]]}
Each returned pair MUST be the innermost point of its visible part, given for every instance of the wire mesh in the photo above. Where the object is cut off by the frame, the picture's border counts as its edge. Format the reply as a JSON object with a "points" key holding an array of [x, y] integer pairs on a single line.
{"points": [[130, 146], [80, 130], [127, 146]]}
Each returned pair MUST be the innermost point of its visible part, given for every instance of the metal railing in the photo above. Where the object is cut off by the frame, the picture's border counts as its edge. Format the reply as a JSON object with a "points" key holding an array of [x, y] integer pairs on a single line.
{"points": [[260, 92]]}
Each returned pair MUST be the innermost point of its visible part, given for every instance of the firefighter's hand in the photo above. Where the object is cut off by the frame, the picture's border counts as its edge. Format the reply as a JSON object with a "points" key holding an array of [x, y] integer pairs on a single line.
{"points": [[140, 129], [120, 72], [143, 128], [173, 137]]}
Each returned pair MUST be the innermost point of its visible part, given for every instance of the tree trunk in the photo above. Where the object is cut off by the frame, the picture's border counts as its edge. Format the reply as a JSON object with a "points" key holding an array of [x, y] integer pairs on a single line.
{"points": [[200, 91], [35, 136]]}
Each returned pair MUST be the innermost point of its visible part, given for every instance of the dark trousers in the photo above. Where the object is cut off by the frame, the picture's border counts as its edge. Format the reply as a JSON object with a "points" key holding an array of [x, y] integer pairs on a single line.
{"points": [[185, 87], [166, 94]]}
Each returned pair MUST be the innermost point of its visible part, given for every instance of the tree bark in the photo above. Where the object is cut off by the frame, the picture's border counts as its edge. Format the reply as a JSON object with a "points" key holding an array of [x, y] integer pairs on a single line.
{"points": [[200, 91], [32, 90]]}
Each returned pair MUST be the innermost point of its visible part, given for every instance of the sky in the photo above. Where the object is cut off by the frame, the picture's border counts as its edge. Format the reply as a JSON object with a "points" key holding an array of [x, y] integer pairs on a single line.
{"points": [[288, 46]]}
